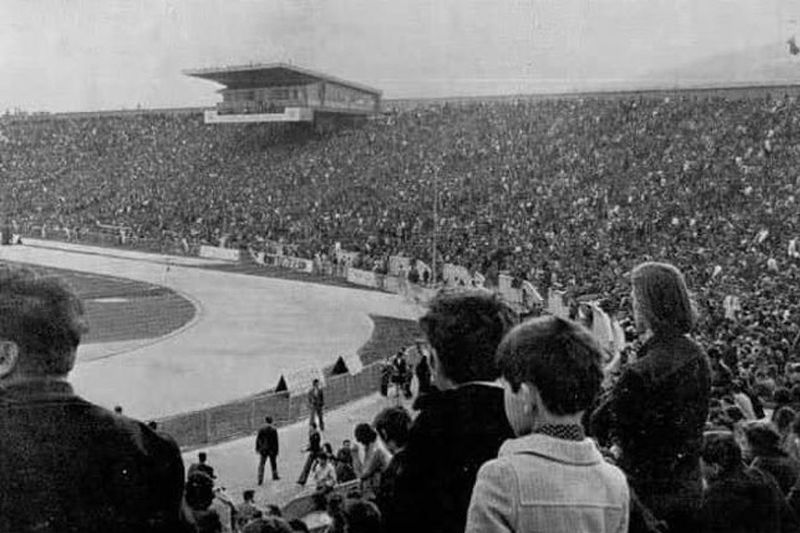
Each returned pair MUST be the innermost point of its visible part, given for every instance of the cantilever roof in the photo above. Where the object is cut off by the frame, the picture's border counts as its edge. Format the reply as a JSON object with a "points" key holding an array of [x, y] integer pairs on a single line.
{"points": [[269, 75]]}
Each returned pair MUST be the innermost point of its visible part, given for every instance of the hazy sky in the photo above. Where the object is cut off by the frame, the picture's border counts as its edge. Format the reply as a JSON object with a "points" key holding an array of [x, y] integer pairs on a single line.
{"points": [[103, 54]]}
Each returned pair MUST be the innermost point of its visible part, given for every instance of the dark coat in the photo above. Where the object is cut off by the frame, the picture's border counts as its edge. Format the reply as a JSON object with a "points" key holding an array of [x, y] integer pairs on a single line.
{"points": [[779, 465], [67, 465], [455, 433], [267, 441], [745, 501], [658, 411]]}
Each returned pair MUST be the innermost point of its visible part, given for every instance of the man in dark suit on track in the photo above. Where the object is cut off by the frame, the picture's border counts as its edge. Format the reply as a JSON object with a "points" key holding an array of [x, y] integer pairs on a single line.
{"points": [[267, 447]]}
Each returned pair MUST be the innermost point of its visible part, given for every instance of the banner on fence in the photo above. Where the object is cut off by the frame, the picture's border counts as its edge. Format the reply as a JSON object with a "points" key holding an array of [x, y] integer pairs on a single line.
{"points": [[299, 381], [346, 258], [365, 278], [393, 284], [399, 265], [223, 254], [294, 263]]}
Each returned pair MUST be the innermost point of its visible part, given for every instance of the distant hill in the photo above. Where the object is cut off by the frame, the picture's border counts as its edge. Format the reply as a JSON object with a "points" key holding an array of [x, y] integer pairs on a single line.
{"points": [[768, 65]]}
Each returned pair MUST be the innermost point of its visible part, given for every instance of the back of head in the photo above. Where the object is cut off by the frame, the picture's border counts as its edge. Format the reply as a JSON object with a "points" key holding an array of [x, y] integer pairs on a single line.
{"points": [[362, 517], [43, 318], [763, 437], [559, 357], [393, 424], [199, 491], [267, 524], [365, 434], [465, 328], [720, 448], [783, 418], [661, 299]]}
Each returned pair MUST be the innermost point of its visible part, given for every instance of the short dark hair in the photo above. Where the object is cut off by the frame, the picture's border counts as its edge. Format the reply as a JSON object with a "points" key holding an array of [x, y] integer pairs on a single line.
{"points": [[268, 419], [202, 456], [393, 423], [365, 434], [559, 357], [465, 328], [43, 317], [248, 494], [720, 448], [267, 524], [362, 517]]}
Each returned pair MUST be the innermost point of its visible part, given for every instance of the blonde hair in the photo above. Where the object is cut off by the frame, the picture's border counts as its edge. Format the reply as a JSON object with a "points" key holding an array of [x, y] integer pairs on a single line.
{"points": [[662, 299]]}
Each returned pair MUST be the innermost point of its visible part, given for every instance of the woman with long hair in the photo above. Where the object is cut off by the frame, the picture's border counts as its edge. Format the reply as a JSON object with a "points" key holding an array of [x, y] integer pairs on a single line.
{"points": [[659, 406]]}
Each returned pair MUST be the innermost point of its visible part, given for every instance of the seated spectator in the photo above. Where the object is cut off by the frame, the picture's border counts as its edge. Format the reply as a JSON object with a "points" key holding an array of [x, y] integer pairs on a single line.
{"points": [[393, 425], [201, 466], [463, 423], [78, 467], [199, 497], [247, 510], [345, 470], [737, 499], [660, 404], [551, 477], [376, 459], [762, 450], [324, 475]]}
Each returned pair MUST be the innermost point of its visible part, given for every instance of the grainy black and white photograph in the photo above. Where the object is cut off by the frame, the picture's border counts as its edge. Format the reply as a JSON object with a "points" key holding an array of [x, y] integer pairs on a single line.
{"points": [[432, 266]]}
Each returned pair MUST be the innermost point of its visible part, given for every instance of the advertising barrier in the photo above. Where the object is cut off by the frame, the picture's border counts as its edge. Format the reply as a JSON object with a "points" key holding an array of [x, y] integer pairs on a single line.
{"points": [[294, 263], [364, 278], [399, 265], [223, 254]]}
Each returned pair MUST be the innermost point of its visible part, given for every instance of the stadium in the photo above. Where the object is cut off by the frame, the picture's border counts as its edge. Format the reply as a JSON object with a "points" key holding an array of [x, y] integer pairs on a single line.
{"points": [[296, 228]]}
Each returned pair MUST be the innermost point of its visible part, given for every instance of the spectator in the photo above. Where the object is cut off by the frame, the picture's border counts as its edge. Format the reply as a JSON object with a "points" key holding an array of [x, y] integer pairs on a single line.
{"points": [[247, 510], [551, 477], [461, 425], [738, 499], [324, 474], [314, 449], [783, 423], [201, 466], [423, 372], [392, 425], [345, 469], [660, 403], [79, 467], [376, 458], [362, 516], [199, 497], [316, 404], [267, 447], [762, 451]]}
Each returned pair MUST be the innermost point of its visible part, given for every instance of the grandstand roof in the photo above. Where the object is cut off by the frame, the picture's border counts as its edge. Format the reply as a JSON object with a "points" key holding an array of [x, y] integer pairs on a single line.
{"points": [[269, 75]]}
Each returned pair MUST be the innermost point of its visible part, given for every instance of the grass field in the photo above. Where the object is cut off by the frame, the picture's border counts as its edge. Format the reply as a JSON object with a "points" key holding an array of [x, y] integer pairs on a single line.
{"points": [[120, 309]]}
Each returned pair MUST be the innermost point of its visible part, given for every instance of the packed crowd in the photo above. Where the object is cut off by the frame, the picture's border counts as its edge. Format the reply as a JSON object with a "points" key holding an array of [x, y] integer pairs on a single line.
{"points": [[524, 427], [562, 193]]}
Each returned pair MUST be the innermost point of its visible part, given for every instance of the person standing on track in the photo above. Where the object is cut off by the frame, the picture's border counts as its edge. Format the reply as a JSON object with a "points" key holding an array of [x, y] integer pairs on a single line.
{"points": [[267, 447], [316, 404]]}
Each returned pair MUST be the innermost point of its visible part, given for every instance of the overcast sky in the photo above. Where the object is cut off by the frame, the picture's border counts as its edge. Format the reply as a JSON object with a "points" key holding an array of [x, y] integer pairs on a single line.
{"points": [[61, 55]]}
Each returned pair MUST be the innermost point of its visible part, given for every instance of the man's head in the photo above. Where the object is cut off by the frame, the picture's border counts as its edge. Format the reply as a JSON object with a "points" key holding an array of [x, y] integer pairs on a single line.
{"points": [[268, 419], [202, 457], [661, 301], [551, 366], [393, 425], [248, 495], [719, 455], [41, 323], [365, 434], [315, 383], [464, 328]]}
